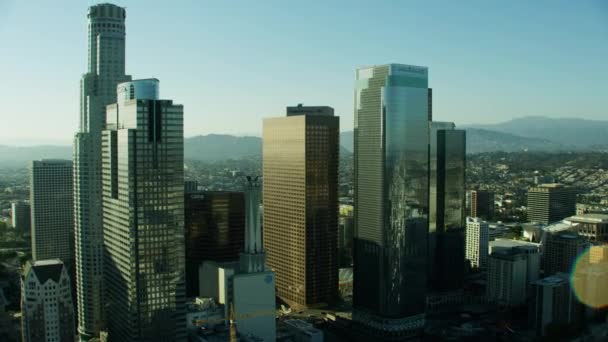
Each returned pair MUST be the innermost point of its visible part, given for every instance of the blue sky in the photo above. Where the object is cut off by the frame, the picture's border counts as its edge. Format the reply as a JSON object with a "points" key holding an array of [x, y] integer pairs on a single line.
{"points": [[231, 63]]}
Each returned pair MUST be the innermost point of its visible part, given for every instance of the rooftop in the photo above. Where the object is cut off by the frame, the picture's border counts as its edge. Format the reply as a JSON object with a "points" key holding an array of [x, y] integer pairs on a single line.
{"points": [[45, 269], [559, 227], [556, 279], [589, 218], [508, 243]]}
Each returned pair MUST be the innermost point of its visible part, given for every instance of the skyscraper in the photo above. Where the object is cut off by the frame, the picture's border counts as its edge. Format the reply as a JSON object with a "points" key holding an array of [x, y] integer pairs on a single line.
{"points": [[106, 68], [548, 203], [52, 211], [215, 230], [21, 216], [477, 240], [301, 203], [481, 204], [554, 304], [46, 302], [560, 251], [143, 215], [507, 275], [391, 180], [447, 207]]}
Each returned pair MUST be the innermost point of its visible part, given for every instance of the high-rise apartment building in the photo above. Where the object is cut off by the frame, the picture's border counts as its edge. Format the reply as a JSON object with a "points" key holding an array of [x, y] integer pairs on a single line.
{"points": [[530, 251], [477, 240], [548, 203], [300, 170], [481, 204], [106, 68], [507, 275], [21, 216], [46, 302], [52, 209], [446, 206], [391, 183], [560, 251], [143, 215], [554, 304], [215, 230]]}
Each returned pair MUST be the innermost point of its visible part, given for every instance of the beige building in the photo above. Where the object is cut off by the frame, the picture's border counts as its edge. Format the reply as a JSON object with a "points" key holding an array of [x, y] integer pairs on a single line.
{"points": [[592, 226], [301, 203], [548, 203]]}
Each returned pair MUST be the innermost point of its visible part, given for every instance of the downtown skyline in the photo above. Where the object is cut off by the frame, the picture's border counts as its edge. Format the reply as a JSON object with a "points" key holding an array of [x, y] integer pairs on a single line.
{"points": [[217, 60]]}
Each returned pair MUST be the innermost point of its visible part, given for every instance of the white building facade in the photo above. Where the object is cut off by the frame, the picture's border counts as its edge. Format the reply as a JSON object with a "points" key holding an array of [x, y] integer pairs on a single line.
{"points": [[477, 239]]}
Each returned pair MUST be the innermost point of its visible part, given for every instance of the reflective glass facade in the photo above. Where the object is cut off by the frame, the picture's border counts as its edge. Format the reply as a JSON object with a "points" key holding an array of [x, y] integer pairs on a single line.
{"points": [[215, 231], [447, 206], [391, 195], [143, 216], [300, 197]]}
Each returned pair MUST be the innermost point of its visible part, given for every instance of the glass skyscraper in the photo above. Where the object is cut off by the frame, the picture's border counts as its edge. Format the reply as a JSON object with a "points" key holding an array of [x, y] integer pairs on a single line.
{"points": [[300, 166], [106, 68], [143, 215], [391, 199], [447, 207]]}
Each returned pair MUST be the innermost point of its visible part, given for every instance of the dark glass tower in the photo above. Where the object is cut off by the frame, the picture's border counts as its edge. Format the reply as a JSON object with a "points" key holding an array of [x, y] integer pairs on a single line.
{"points": [[215, 230], [143, 216], [391, 199], [447, 207]]}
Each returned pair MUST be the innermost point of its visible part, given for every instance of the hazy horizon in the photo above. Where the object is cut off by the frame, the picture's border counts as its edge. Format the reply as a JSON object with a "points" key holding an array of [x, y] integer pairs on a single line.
{"points": [[231, 64]]}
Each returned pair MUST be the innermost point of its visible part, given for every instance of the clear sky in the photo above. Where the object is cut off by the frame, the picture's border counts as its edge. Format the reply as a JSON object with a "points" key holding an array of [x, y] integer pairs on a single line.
{"points": [[231, 63]]}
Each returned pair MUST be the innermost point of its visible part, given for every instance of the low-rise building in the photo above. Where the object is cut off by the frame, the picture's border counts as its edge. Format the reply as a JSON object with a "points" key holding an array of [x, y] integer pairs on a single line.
{"points": [[594, 227], [303, 331]]}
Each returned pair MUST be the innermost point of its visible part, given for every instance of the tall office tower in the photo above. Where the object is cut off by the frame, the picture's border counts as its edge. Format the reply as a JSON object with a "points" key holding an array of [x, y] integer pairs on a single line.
{"points": [[391, 183], [46, 302], [507, 275], [548, 203], [301, 203], [477, 239], [560, 251], [447, 207], [554, 304], [143, 215], [106, 68], [215, 230], [21, 216], [481, 204], [52, 211], [592, 226]]}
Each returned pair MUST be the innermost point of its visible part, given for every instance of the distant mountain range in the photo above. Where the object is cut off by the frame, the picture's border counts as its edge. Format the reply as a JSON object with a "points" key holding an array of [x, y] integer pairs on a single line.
{"points": [[523, 134]]}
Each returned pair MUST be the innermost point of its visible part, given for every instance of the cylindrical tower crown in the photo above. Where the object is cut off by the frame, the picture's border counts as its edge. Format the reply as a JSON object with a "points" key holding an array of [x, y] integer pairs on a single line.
{"points": [[106, 20], [145, 89]]}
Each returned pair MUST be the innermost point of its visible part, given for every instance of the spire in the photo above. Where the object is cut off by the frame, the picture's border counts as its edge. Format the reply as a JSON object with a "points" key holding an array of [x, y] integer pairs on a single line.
{"points": [[253, 257], [253, 230]]}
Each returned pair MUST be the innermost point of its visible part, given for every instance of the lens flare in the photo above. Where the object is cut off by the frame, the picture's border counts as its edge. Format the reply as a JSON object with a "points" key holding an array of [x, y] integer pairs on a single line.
{"points": [[589, 277]]}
